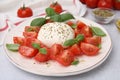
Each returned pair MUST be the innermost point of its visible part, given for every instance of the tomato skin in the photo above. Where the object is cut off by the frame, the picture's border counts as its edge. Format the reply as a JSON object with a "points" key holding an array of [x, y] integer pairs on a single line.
{"points": [[95, 40], [89, 49], [24, 12], [65, 58], [75, 49], [116, 4], [55, 50], [92, 3], [80, 24], [19, 40], [57, 7], [105, 4], [83, 1], [32, 29], [42, 57], [27, 51], [30, 34]]}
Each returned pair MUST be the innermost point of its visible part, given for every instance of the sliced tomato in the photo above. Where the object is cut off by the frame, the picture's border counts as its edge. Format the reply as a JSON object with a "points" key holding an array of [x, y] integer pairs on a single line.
{"points": [[27, 51], [32, 29], [42, 57], [30, 34], [65, 58], [89, 49], [75, 49], [30, 40], [19, 40], [55, 50], [80, 24], [86, 31], [95, 40]]}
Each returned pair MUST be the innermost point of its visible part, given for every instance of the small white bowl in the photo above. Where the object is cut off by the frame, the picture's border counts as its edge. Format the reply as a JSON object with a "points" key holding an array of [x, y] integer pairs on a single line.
{"points": [[103, 15]]}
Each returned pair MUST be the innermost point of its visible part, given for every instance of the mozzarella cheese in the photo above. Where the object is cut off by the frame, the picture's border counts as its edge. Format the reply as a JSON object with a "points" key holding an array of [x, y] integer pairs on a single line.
{"points": [[56, 32]]}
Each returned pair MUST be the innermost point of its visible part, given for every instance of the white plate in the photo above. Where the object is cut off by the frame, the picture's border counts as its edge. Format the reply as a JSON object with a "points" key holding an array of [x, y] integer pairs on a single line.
{"points": [[53, 68]]}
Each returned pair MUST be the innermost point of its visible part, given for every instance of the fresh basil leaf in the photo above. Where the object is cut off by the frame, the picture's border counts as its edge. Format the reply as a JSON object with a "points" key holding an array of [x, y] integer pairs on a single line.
{"points": [[79, 37], [50, 11], [97, 31], [36, 45], [43, 51], [75, 62], [38, 22], [66, 16], [100, 46], [56, 18], [74, 26], [69, 42], [13, 47]]}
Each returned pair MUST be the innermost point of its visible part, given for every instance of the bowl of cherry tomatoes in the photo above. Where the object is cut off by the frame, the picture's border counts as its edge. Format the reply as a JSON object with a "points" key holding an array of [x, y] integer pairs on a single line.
{"points": [[112, 4]]}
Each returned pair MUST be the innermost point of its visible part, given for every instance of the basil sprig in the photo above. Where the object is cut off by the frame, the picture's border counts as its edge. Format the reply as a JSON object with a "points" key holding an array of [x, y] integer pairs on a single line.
{"points": [[41, 50], [13, 47], [97, 31], [38, 22], [76, 40]]}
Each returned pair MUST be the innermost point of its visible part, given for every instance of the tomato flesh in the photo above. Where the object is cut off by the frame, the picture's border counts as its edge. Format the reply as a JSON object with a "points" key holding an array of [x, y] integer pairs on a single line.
{"points": [[65, 58], [27, 51], [89, 49]]}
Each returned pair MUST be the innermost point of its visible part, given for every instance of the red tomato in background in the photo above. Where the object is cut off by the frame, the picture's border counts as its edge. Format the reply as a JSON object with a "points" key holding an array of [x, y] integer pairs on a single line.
{"points": [[65, 58], [95, 40], [105, 4], [27, 51], [57, 7], [92, 3], [55, 50], [89, 49], [116, 4], [42, 57], [24, 12], [75, 49], [83, 1]]}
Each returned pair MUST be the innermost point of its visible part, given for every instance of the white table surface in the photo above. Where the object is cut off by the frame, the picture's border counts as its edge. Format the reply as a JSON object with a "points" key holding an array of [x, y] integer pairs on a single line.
{"points": [[109, 70]]}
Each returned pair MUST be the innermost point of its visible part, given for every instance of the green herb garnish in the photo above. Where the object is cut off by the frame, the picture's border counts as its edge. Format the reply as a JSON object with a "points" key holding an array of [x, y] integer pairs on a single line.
{"points": [[13, 47]]}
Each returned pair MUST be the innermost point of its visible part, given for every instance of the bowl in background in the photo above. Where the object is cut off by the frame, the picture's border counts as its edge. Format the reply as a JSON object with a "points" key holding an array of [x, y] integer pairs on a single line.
{"points": [[103, 15]]}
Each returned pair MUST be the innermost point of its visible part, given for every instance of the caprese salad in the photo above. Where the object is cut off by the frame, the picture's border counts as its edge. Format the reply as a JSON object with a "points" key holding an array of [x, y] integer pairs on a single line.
{"points": [[58, 37]]}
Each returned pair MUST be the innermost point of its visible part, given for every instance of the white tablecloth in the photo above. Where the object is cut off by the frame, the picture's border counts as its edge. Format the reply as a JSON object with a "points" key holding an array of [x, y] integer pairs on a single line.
{"points": [[109, 70]]}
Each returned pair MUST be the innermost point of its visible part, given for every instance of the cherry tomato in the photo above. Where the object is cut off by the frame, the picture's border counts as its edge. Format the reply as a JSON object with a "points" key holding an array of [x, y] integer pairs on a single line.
{"points": [[55, 50], [80, 24], [95, 40], [92, 3], [27, 51], [57, 7], [105, 4], [30, 34], [32, 29], [24, 12], [19, 40], [75, 49], [116, 4], [83, 1], [65, 58], [42, 57], [89, 49]]}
